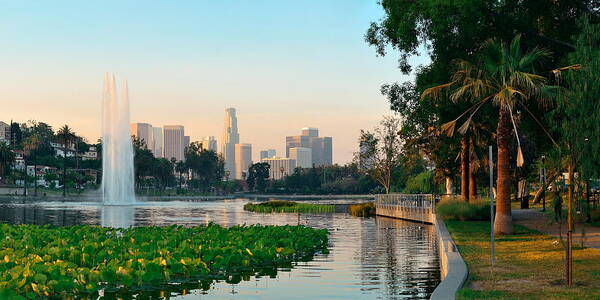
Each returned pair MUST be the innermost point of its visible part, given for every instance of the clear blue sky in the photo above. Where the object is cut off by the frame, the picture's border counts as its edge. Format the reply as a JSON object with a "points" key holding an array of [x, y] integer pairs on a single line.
{"points": [[283, 64]]}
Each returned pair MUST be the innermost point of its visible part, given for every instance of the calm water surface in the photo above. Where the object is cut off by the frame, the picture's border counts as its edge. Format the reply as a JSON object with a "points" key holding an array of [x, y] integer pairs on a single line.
{"points": [[374, 258]]}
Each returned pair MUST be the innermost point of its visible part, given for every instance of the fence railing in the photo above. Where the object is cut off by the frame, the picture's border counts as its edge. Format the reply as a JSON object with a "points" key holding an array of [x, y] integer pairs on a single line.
{"points": [[408, 200]]}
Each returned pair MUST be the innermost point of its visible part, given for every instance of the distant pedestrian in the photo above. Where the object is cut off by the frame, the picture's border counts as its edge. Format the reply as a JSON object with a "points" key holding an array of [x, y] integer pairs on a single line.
{"points": [[557, 204]]}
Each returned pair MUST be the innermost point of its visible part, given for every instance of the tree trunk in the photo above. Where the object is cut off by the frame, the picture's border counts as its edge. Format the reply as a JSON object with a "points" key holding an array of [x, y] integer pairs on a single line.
{"points": [[472, 175], [464, 169], [503, 223], [541, 192], [570, 225], [449, 185]]}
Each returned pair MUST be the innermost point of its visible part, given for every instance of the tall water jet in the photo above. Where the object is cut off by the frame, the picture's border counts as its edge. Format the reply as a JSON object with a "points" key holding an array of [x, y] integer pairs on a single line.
{"points": [[117, 148]]}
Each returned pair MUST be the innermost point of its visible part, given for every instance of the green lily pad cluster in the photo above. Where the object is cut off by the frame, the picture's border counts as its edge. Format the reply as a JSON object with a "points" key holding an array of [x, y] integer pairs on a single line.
{"points": [[57, 262], [282, 206]]}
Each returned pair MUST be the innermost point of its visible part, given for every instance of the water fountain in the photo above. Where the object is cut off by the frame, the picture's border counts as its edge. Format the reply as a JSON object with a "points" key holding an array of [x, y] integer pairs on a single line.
{"points": [[117, 148]]}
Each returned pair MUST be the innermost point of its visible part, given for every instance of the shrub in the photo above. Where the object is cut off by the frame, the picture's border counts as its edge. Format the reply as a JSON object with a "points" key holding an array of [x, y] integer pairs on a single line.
{"points": [[280, 206], [362, 209], [463, 211]]}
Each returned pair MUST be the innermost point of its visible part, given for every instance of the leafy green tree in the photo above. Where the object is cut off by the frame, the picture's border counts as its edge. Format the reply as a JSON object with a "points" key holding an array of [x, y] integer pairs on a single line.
{"points": [[7, 157], [163, 171], [16, 135], [450, 30], [504, 78], [30, 145], [143, 160], [258, 174], [577, 119]]}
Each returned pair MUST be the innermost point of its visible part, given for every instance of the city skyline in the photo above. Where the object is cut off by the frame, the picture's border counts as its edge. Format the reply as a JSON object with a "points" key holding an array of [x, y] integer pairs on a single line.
{"points": [[187, 73]]}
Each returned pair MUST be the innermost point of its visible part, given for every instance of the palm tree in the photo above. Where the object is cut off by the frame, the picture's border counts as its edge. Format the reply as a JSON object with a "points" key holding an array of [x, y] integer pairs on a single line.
{"points": [[505, 79], [65, 136], [6, 158], [30, 145]]}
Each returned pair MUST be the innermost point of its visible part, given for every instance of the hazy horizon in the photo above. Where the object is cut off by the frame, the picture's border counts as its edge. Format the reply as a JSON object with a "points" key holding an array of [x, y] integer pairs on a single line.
{"points": [[283, 66]]}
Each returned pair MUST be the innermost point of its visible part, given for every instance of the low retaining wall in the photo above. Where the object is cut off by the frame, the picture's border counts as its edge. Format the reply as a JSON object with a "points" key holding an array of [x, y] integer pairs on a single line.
{"points": [[453, 268], [421, 208], [416, 214]]}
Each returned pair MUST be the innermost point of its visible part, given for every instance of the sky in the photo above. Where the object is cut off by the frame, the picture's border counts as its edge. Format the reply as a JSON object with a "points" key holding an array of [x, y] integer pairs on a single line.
{"points": [[283, 65]]}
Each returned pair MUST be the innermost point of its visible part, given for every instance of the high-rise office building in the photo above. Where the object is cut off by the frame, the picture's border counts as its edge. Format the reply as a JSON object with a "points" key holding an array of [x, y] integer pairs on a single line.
{"points": [[243, 160], [321, 147], [174, 142], [186, 142], [209, 143], [267, 153], [157, 136], [310, 131], [280, 167], [143, 132], [303, 156], [230, 138]]}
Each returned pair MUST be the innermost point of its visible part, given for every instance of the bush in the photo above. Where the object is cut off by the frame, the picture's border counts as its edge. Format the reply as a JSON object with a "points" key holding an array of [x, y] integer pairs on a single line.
{"points": [[454, 210], [421, 183], [281, 206], [362, 209]]}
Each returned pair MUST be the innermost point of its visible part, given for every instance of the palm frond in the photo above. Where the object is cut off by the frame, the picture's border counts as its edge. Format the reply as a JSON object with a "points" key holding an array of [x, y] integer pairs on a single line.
{"points": [[527, 61], [465, 126], [448, 127], [434, 92]]}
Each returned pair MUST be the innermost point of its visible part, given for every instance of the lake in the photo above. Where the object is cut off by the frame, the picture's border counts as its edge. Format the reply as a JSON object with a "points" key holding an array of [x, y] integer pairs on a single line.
{"points": [[370, 258]]}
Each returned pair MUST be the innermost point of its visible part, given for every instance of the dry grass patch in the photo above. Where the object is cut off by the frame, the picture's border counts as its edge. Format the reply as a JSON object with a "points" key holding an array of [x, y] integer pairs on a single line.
{"points": [[529, 265]]}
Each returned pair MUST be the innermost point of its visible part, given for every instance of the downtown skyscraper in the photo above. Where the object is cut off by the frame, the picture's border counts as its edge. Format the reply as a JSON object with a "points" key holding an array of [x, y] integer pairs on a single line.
{"points": [[230, 138]]}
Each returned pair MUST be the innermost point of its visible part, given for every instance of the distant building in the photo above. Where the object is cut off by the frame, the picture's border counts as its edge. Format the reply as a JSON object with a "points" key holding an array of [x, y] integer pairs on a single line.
{"points": [[91, 154], [310, 131], [230, 138], [174, 142], [157, 136], [209, 143], [267, 153], [280, 167], [321, 147], [60, 149], [243, 160], [303, 156], [4, 133], [144, 132], [186, 142]]}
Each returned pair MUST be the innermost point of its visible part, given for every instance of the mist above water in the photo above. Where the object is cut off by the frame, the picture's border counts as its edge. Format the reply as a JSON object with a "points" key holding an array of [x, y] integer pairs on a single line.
{"points": [[117, 148]]}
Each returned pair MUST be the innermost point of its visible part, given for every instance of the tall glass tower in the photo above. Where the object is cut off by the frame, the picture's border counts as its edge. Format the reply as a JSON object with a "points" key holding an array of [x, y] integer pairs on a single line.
{"points": [[230, 138]]}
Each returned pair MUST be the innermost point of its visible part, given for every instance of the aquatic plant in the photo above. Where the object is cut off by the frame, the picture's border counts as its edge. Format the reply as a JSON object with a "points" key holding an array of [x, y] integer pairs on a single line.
{"points": [[281, 206], [362, 209], [57, 262]]}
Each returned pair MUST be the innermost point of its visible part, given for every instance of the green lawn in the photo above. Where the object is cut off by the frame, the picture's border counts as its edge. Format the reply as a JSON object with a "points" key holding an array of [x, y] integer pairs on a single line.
{"points": [[529, 265]]}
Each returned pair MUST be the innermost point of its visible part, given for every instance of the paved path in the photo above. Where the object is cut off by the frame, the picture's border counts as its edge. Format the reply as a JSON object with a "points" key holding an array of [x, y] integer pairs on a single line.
{"points": [[534, 219]]}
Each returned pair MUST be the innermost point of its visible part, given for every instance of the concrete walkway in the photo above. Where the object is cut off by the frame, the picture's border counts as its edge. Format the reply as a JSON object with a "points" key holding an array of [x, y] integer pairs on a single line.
{"points": [[534, 219]]}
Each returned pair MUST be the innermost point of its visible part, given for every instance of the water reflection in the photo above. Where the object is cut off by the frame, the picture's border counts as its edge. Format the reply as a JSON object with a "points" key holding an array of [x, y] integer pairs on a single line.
{"points": [[120, 216], [369, 258]]}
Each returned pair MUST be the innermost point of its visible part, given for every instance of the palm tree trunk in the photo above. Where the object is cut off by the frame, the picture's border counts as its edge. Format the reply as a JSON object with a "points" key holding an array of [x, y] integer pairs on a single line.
{"points": [[503, 222], [464, 169], [449, 185], [472, 185]]}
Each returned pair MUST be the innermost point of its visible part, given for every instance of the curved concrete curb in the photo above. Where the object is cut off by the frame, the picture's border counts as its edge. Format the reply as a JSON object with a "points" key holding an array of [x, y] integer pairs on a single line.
{"points": [[452, 266]]}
